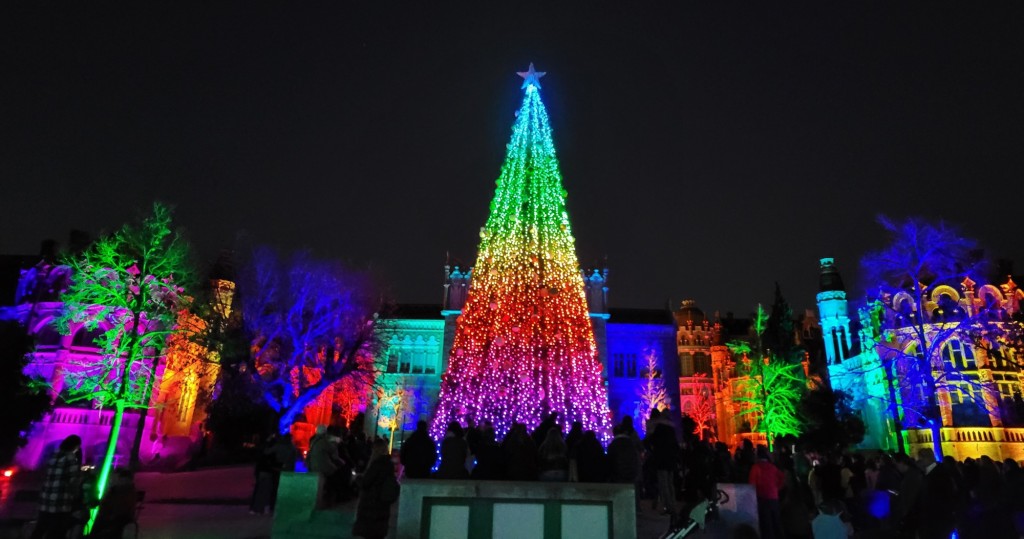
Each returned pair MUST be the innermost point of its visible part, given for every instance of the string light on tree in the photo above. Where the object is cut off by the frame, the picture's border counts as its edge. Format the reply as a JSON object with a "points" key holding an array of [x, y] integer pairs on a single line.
{"points": [[524, 346]]}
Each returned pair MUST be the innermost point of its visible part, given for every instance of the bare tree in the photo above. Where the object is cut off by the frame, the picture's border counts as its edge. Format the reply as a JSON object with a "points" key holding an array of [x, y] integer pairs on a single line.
{"points": [[924, 329], [702, 408], [313, 324], [652, 391]]}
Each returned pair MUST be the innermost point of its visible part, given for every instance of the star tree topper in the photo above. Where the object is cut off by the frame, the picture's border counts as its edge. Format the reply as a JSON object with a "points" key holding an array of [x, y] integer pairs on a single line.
{"points": [[531, 77]]}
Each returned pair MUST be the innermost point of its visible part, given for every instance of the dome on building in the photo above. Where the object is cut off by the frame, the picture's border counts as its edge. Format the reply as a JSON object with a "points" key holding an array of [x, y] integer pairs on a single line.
{"points": [[689, 313]]}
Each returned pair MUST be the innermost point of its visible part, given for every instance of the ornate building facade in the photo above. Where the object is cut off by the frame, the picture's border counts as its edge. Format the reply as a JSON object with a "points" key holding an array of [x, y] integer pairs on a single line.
{"points": [[975, 371], [184, 377], [418, 339], [693, 364]]}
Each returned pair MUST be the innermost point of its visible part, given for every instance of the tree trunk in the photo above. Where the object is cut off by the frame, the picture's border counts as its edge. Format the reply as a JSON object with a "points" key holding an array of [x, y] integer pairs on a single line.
{"points": [[895, 410], [108, 461], [143, 414], [289, 413], [935, 427]]}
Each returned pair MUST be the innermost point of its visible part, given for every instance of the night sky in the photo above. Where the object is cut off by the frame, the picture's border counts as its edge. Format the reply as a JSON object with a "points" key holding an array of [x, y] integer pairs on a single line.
{"points": [[707, 152]]}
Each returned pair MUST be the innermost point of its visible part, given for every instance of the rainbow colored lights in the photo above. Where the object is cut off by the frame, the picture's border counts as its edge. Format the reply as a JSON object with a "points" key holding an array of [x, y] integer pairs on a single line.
{"points": [[524, 346]]}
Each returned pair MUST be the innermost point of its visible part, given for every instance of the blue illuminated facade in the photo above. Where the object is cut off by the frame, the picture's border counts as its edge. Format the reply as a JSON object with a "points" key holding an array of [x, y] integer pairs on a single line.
{"points": [[418, 339]]}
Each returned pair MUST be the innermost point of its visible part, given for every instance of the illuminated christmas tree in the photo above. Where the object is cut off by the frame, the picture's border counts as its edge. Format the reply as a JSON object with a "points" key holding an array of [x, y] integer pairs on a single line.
{"points": [[524, 346]]}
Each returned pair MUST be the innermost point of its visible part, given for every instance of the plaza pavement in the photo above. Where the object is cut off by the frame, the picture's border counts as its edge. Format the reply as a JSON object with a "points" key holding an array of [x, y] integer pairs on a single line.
{"points": [[213, 504], [181, 521]]}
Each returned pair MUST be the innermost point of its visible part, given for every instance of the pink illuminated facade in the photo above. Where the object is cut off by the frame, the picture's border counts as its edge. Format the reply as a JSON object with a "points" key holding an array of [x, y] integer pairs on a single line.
{"points": [[172, 429]]}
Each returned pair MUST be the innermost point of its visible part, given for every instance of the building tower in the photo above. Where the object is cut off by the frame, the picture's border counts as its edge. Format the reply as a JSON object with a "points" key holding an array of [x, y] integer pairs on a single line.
{"points": [[834, 313], [853, 363], [524, 346]]}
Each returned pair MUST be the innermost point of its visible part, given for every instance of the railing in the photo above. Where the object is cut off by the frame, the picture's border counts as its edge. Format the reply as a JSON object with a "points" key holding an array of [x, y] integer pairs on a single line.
{"points": [[982, 434], [968, 434], [919, 436], [83, 416], [1013, 435]]}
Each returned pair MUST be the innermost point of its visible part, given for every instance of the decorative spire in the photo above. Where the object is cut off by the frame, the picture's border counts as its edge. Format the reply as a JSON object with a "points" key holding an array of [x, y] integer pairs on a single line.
{"points": [[531, 77]]}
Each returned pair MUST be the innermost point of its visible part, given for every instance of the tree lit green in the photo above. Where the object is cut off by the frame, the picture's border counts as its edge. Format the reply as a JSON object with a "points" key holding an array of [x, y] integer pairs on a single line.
{"points": [[127, 287]]}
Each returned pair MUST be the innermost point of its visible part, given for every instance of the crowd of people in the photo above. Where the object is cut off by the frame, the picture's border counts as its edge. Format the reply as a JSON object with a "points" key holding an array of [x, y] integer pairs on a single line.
{"points": [[801, 494], [895, 495], [545, 454]]}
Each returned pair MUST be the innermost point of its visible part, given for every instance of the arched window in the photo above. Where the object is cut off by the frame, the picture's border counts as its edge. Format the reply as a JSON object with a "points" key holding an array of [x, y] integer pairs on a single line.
{"points": [[958, 356], [619, 364], [839, 344], [187, 399], [701, 363], [947, 309], [686, 364], [86, 339], [394, 351], [419, 359], [631, 370], [431, 366], [405, 360]]}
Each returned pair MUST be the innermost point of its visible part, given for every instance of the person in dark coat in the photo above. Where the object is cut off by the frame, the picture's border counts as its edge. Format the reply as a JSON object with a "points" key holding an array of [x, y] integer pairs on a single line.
{"points": [[937, 502], [573, 438], [263, 488], [378, 489], [905, 513], [827, 483], [117, 509], [419, 453], [454, 453], [553, 457], [1013, 494], [745, 459], [520, 454], [472, 435], [489, 465], [323, 458], [663, 448], [626, 425], [540, 434], [723, 464], [623, 458], [591, 462], [888, 474]]}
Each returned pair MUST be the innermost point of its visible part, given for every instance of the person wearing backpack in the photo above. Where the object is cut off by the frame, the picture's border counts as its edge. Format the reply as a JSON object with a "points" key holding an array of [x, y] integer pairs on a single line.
{"points": [[378, 489]]}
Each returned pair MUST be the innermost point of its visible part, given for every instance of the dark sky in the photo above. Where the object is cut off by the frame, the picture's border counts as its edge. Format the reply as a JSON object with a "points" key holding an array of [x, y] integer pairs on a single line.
{"points": [[707, 151]]}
